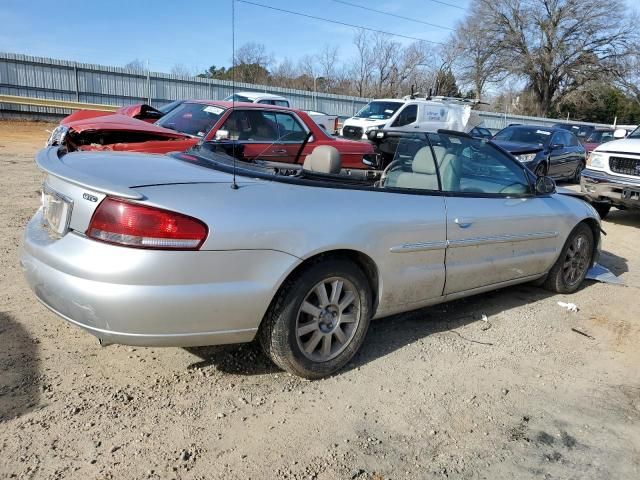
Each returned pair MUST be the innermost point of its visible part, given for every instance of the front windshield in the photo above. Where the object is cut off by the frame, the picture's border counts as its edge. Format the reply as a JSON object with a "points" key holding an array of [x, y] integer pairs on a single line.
{"points": [[192, 118], [238, 98], [600, 136], [530, 136], [379, 110]]}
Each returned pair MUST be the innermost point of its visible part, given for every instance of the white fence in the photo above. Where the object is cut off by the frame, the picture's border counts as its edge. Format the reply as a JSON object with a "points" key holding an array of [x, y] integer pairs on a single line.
{"points": [[48, 78]]}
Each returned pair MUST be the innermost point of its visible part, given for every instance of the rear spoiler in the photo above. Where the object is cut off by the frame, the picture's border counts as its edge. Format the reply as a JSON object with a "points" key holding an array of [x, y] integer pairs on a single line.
{"points": [[50, 160]]}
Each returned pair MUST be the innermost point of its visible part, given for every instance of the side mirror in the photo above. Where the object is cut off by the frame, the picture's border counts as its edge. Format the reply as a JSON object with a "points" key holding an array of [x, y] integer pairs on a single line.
{"points": [[222, 135], [545, 185], [619, 133], [371, 160]]}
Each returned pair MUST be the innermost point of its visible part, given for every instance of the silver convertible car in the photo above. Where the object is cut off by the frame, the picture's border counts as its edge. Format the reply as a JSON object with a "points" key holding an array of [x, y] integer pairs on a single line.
{"points": [[200, 248]]}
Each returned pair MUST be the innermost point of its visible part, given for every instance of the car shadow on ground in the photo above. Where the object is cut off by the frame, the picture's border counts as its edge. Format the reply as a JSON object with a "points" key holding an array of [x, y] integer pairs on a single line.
{"points": [[618, 265], [629, 218], [391, 333], [19, 364]]}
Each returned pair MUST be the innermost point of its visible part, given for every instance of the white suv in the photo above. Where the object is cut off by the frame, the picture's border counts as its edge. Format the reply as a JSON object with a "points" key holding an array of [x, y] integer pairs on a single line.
{"points": [[612, 175]]}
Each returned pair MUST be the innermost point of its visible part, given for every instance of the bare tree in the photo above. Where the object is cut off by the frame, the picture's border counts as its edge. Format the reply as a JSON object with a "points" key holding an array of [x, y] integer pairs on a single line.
{"points": [[362, 64], [557, 45], [182, 70], [627, 74], [253, 53], [478, 61], [328, 62], [136, 64], [285, 74]]}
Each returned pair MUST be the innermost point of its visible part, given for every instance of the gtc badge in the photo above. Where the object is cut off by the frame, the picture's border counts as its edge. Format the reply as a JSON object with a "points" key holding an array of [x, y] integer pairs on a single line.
{"points": [[91, 198]]}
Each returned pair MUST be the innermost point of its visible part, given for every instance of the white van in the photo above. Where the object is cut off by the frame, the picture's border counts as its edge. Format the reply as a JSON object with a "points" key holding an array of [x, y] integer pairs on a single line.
{"points": [[412, 113]]}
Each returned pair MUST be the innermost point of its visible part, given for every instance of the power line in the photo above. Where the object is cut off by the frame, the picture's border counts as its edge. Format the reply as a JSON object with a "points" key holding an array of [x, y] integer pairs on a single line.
{"points": [[447, 4], [391, 14], [337, 22]]}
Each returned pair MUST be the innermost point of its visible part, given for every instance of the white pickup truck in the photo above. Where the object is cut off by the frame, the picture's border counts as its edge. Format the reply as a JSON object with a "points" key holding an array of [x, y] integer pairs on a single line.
{"points": [[612, 175]]}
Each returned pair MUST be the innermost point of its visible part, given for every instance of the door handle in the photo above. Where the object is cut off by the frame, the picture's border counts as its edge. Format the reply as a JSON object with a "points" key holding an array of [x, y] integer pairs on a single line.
{"points": [[282, 150], [463, 222]]}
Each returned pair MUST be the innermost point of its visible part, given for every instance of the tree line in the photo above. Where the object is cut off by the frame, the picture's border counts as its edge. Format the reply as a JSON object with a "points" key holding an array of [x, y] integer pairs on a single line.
{"points": [[579, 58]]}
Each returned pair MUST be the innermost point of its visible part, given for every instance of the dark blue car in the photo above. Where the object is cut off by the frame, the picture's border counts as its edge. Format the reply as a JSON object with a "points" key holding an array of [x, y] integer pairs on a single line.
{"points": [[554, 152]]}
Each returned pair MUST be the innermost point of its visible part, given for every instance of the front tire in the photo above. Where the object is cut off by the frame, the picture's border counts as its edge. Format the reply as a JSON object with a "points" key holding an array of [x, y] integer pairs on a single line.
{"points": [[318, 320], [576, 257]]}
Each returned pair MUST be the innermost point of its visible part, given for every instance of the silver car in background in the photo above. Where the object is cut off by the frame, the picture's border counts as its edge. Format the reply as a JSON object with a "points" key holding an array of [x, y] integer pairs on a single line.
{"points": [[199, 249]]}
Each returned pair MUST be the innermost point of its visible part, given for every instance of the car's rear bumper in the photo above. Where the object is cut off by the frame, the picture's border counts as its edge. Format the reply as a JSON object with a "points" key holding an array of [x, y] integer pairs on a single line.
{"points": [[603, 187], [150, 297]]}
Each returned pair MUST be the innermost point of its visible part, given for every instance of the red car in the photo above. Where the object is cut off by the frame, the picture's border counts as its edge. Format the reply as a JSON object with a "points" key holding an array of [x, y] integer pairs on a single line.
{"points": [[268, 132], [598, 137]]}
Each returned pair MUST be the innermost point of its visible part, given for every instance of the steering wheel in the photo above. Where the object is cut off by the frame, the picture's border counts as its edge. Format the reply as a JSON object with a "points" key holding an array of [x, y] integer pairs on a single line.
{"points": [[387, 171]]}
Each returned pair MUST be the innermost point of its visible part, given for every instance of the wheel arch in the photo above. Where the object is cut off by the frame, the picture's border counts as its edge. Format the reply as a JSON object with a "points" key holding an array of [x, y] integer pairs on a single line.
{"points": [[360, 259], [594, 225]]}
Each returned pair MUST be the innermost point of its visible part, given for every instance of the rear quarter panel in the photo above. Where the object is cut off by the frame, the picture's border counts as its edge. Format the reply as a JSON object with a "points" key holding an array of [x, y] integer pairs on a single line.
{"points": [[306, 221]]}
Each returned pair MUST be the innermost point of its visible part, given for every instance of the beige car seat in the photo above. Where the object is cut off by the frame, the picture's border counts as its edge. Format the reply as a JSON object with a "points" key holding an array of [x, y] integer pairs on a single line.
{"points": [[422, 176], [323, 159]]}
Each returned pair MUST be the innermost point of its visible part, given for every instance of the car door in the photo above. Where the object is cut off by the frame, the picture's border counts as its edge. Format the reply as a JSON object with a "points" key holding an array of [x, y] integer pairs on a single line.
{"points": [[410, 228], [498, 230], [257, 131], [559, 155], [578, 154], [291, 135]]}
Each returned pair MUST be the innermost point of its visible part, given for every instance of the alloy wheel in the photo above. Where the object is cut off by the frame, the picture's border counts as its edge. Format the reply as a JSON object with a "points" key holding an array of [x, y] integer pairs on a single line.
{"points": [[576, 261], [327, 319]]}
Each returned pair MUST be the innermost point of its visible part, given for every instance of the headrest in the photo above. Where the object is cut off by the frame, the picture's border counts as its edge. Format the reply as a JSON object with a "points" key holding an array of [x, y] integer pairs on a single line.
{"points": [[323, 159], [423, 162]]}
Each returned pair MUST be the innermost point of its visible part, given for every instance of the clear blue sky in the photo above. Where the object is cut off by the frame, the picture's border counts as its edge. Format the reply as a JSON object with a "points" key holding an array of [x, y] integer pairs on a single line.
{"points": [[197, 33]]}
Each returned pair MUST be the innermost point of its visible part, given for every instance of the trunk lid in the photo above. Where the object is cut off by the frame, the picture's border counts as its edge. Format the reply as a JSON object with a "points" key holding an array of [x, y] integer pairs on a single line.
{"points": [[76, 183]]}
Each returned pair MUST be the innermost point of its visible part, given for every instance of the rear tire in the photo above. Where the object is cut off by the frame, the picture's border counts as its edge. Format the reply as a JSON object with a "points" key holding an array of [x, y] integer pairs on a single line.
{"points": [[576, 257], [578, 173], [314, 334]]}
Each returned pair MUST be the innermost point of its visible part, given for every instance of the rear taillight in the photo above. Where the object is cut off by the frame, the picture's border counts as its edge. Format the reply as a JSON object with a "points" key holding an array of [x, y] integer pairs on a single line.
{"points": [[336, 124], [135, 225]]}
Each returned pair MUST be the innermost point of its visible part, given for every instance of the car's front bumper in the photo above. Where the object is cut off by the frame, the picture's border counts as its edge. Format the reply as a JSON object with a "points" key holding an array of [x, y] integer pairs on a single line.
{"points": [[151, 297], [603, 187]]}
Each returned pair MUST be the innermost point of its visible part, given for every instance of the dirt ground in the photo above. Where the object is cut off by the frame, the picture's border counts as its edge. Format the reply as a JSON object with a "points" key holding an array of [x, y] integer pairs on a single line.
{"points": [[437, 393]]}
